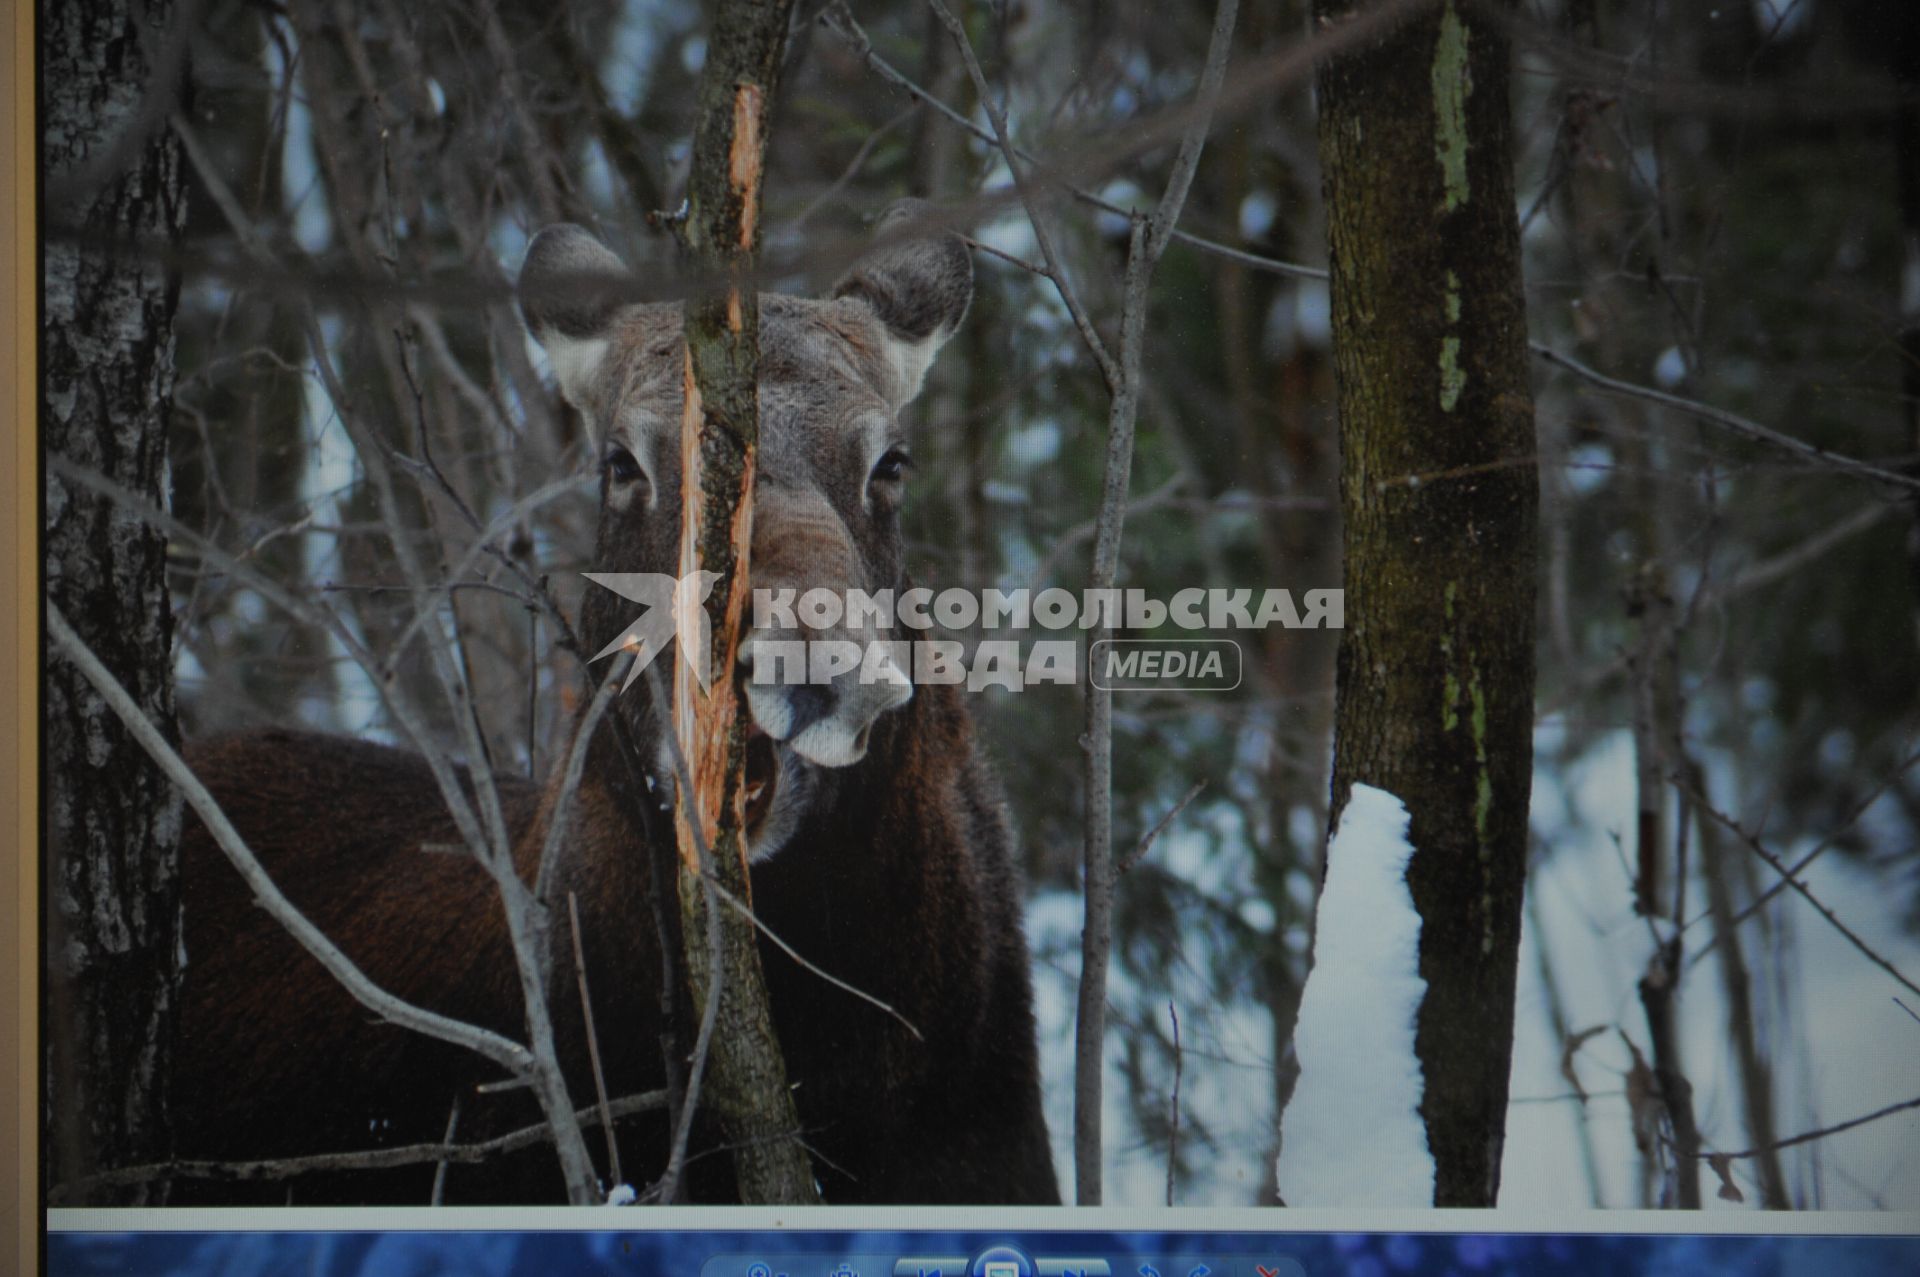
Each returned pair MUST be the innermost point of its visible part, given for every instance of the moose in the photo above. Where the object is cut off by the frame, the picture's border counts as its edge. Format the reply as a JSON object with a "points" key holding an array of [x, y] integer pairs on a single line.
{"points": [[879, 845]]}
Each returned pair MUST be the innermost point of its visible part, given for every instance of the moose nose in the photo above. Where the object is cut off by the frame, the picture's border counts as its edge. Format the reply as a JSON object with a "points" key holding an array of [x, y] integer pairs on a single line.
{"points": [[818, 694], [807, 704]]}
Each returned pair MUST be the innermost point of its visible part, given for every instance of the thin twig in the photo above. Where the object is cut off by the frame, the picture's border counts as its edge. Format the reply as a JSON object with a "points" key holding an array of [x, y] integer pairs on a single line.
{"points": [[1787, 877], [374, 1159], [509, 1055], [1152, 836], [572, 774], [438, 1195], [839, 19], [1075, 536], [1727, 420], [1173, 1116], [1819, 849], [741, 907], [853, 167], [1147, 238], [997, 114], [1808, 1136], [593, 1041]]}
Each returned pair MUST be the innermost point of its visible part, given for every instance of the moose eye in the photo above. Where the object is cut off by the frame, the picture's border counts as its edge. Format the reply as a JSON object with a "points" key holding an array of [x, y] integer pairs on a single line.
{"points": [[621, 466], [892, 466]]}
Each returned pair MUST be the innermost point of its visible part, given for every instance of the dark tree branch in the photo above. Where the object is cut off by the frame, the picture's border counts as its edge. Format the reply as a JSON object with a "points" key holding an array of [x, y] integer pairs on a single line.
{"points": [[372, 1159], [1807, 1137]]}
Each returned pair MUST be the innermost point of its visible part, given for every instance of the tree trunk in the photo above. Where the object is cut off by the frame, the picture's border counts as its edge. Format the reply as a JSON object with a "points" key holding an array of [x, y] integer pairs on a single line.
{"points": [[1905, 43], [1438, 493], [113, 910], [746, 1076]]}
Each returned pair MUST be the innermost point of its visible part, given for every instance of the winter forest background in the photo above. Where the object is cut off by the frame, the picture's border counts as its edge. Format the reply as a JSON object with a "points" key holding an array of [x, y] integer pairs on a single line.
{"points": [[1715, 238]]}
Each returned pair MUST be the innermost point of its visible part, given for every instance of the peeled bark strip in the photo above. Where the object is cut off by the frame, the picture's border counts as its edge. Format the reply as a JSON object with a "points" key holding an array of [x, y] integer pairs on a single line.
{"points": [[113, 822], [1438, 492], [745, 1081]]}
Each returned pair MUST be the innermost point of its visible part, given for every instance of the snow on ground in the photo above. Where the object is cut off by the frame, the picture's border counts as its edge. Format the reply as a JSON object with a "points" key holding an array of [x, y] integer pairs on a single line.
{"points": [[1353, 1135], [1842, 1047], [1226, 1085]]}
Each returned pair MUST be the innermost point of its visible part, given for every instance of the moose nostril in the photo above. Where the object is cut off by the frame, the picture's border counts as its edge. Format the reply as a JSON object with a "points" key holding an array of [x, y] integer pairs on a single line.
{"points": [[809, 703]]}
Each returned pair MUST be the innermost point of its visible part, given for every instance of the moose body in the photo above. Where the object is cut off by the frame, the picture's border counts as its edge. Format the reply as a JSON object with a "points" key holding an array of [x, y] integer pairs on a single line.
{"points": [[879, 844]]}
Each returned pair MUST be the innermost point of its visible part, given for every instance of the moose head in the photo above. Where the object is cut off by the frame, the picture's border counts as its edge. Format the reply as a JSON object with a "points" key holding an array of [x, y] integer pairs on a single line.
{"points": [[892, 821], [835, 373]]}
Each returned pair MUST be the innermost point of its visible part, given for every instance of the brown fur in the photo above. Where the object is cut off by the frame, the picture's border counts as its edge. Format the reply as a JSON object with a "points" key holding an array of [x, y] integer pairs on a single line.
{"points": [[898, 878]]}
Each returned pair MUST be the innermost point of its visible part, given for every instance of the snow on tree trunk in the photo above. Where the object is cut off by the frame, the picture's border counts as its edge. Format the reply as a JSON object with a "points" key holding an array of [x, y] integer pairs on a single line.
{"points": [[1438, 495], [1353, 1135]]}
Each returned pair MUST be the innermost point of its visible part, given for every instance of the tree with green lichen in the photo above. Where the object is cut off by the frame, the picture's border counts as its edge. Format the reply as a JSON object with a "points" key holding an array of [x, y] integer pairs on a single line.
{"points": [[1436, 666]]}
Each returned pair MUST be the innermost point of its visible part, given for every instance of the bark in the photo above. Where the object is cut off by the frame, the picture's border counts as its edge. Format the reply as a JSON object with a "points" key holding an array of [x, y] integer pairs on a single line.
{"points": [[113, 822], [1438, 493], [1905, 43], [745, 1077]]}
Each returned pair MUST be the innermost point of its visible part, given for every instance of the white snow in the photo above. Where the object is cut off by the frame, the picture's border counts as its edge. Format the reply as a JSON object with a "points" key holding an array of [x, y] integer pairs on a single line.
{"points": [[1352, 1134], [1670, 370], [622, 1195], [1839, 1044]]}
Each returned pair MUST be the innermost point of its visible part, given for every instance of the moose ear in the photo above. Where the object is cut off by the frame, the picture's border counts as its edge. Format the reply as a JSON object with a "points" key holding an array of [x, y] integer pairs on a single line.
{"points": [[571, 286], [919, 287]]}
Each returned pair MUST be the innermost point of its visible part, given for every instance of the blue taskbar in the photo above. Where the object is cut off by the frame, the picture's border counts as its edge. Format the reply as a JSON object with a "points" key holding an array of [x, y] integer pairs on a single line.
{"points": [[389, 1248]]}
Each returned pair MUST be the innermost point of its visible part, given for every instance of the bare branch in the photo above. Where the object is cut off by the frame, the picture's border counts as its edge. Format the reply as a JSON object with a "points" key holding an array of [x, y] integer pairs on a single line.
{"points": [[839, 19], [1788, 878], [1145, 241], [1152, 836], [509, 1055], [593, 1040], [1739, 425], [373, 1159], [1173, 1105], [574, 771], [744, 911], [1806, 1137], [1206, 96], [998, 115], [439, 1194]]}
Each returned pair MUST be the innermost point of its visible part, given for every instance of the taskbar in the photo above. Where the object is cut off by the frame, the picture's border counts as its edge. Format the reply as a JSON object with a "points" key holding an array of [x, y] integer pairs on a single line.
{"points": [[88, 1243]]}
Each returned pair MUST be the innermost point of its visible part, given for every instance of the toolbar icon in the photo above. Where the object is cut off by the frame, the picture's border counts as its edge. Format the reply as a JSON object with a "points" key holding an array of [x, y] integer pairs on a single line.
{"points": [[1073, 1267], [1001, 1261], [931, 1266]]}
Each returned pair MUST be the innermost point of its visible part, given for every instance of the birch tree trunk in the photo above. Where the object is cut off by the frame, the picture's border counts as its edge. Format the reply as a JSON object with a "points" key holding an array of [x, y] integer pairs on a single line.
{"points": [[113, 940], [746, 1077], [1438, 494]]}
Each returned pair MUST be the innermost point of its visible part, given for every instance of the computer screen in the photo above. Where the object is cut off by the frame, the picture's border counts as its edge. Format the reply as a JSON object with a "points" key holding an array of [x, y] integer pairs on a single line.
{"points": [[973, 638]]}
